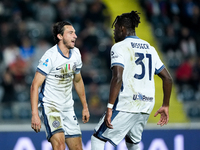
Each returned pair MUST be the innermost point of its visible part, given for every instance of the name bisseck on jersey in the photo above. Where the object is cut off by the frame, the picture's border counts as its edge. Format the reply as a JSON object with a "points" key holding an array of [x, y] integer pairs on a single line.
{"points": [[140, 45]]}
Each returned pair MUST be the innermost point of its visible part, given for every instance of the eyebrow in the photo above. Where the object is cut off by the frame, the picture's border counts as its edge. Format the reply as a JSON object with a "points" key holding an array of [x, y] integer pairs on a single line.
{"points": [[70, 30]]}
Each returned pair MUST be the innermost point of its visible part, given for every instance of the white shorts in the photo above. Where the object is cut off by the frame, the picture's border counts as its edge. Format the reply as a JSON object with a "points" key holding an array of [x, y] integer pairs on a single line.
{"points": [[59, 121], [124, 123]]}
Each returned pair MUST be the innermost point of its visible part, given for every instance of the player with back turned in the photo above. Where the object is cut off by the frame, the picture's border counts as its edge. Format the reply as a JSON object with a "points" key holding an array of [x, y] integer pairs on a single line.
{"points": [[132, 91]]}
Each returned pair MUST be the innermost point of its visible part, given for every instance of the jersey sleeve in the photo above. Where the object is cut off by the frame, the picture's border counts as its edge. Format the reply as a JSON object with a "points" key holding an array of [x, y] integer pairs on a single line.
{"points": [[79, 62], [45, 64], [159, 66], [117, 58]]}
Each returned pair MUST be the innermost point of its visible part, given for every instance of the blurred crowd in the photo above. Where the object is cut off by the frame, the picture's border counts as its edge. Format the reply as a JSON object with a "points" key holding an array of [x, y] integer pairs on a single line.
{"points": [[26, 33], [176, 28]]}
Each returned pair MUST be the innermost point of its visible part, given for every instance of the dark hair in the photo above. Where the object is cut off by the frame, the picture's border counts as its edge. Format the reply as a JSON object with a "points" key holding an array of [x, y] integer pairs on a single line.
{"points": [[128, 20], [58, 28]]}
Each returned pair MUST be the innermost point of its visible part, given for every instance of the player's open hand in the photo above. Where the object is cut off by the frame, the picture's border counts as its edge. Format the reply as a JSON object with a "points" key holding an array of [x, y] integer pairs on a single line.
{"points": [[164, 118], [36, 123], [107, 118], [85, 115]]}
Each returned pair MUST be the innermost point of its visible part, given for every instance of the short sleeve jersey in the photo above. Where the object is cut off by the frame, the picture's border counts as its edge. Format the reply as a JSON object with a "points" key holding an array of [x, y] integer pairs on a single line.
{"points": [[140, 62], [59, 70]]}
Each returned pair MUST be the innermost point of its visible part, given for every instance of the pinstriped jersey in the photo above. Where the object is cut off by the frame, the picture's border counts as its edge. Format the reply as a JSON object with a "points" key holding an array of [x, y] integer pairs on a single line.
{"points": [[59, 70], [140, 62]]}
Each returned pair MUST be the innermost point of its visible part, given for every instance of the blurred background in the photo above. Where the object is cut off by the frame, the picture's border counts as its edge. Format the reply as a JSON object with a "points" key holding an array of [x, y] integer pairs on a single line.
{"points": [[171, 26]]}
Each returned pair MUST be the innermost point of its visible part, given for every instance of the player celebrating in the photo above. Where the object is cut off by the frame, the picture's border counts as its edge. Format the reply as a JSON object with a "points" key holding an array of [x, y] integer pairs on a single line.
{"points": [[58, 69], [134, 63]]}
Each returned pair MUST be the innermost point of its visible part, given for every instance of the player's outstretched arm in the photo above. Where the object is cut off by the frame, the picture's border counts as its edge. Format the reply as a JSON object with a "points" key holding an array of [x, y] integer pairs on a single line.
{"points": [[79, 87], [167, 87]]}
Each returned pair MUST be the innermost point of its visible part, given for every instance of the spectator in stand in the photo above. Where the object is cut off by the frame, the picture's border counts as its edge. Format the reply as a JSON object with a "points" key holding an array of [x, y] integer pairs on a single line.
{"points": [[170, 46], [194, 25], [186, 11], [63, 9], [90, 37], [184, 73], [195, 19], [27, 50], [19, 69], [157, 12], [78, 9], [95, 12], [8, 87], [10, 53], [5, 33], [187, 43], [173, 8], [196, 74], [27, 8], [170, 41], [40, 48], [46, 14]]}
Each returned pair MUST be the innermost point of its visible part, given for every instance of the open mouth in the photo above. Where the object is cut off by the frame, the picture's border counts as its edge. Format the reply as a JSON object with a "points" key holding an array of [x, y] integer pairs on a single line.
{"points": [[73, 41]]}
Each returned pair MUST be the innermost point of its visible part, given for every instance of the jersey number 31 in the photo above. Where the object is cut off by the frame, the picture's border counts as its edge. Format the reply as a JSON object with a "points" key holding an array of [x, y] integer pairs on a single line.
{"points": [[140, 62]]}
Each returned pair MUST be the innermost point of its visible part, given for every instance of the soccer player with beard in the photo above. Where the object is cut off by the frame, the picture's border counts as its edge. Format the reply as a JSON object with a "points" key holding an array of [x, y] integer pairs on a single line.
{"points": [[58, 70]]}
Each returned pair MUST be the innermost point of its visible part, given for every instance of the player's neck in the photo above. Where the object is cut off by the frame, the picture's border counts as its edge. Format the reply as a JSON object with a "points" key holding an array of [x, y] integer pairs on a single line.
{"points": [[64, 49], [131, 34]]}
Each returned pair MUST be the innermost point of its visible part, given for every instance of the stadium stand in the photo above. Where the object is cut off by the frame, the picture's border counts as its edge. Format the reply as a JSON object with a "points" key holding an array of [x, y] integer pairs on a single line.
{"points": [[174, 25], [25, 33]]}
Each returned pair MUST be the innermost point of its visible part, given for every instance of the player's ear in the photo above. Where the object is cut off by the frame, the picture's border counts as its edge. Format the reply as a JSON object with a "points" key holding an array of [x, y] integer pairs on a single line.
{"points": [[59, 36], [123, 30]]}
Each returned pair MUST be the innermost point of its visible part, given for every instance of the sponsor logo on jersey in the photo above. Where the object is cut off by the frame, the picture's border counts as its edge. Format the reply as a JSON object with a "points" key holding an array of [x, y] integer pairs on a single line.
{"points": [[64, 75], [56, 124], [58, 68], [113, 55], [141, 97], [140, 45], [46, 62]]}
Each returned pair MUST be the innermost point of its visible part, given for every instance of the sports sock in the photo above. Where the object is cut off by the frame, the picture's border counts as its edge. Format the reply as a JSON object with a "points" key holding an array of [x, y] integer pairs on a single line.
{"points": [[132, 146], [97, 144]]}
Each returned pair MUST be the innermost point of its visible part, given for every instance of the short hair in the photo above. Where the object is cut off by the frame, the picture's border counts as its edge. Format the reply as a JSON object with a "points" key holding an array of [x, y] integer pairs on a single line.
{"points": [[58, 28], [128, 20]]}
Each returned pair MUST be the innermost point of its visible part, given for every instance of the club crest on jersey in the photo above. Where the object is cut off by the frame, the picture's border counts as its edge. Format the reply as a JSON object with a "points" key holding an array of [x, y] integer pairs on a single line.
{"points": [[74, 67], [56, 124], [141, 97], [46, 62]]}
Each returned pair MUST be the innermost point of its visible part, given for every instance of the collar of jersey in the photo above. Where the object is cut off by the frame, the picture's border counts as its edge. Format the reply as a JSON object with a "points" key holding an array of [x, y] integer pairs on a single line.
{"points": [[59, 50], [135, 37]]}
